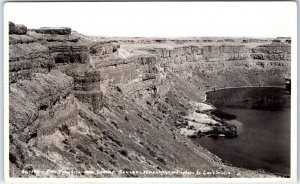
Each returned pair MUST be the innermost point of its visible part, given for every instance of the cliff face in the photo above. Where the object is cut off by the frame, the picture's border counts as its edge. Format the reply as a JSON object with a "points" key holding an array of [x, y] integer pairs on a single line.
{"points": [[77, 103], [171, 77]]}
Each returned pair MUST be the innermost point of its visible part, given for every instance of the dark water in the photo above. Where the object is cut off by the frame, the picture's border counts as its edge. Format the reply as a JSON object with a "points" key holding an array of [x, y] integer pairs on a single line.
{"points": [[262, 116]]}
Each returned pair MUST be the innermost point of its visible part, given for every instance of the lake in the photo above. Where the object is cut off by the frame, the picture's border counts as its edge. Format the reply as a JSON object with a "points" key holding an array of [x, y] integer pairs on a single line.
{"points": [[262, 116]]}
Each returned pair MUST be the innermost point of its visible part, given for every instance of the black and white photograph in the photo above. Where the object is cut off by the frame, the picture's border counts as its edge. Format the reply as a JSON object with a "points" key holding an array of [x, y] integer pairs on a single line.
{"points": [[188, 90]]}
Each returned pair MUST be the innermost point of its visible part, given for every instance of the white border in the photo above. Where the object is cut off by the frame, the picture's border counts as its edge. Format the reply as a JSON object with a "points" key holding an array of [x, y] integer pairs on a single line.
{"points": [[6, 95], [293, 177]]}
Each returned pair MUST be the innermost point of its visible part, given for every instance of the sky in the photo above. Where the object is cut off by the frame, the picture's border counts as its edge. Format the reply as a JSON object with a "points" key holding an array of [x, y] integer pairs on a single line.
{"points": [[162, 19]]}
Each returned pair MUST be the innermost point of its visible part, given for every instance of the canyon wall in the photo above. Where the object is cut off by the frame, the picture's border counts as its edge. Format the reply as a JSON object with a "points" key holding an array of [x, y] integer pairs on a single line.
{"points": [[171, 77], [150, 71], [85, 104]]}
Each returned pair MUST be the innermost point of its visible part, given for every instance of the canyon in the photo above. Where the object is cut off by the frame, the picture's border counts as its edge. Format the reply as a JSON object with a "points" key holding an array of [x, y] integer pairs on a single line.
{"points": [[85, 103]]}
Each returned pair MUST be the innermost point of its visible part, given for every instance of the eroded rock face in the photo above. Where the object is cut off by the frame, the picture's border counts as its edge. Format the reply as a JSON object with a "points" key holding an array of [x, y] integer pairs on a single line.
{"points": [[40, 53], [64, 54], [26, 59], [273, 52], [17, 29], [87, 82], [43, 91], [28, 98], [119, 105]]}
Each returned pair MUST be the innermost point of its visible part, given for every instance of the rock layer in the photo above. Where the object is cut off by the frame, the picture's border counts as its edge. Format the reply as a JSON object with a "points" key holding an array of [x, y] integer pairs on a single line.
{"points": [[84, 104], [17, 29], [54, 30]]}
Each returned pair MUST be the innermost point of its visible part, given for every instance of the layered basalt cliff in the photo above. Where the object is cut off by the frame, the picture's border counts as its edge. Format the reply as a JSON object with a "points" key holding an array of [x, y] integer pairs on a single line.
{"points": [[81, 104], [274, 52]]}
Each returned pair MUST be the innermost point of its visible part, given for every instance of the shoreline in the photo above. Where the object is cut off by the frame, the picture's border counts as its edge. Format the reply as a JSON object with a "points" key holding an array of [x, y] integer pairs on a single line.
{"points": [[223, 161]]}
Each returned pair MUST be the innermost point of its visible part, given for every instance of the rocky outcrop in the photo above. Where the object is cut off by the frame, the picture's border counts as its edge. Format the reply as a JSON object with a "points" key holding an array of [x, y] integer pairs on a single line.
{"points": [[26, 59], [103, 48], [64, 54], [86, 84], [17, 29], [40, 53]]}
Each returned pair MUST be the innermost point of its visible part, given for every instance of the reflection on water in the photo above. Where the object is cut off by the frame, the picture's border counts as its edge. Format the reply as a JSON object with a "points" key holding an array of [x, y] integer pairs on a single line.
{"points": [[262, 116]]}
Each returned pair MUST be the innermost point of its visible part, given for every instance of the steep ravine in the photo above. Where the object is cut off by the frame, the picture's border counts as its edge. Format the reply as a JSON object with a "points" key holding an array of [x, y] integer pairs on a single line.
{"points": [[80, 103]]}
